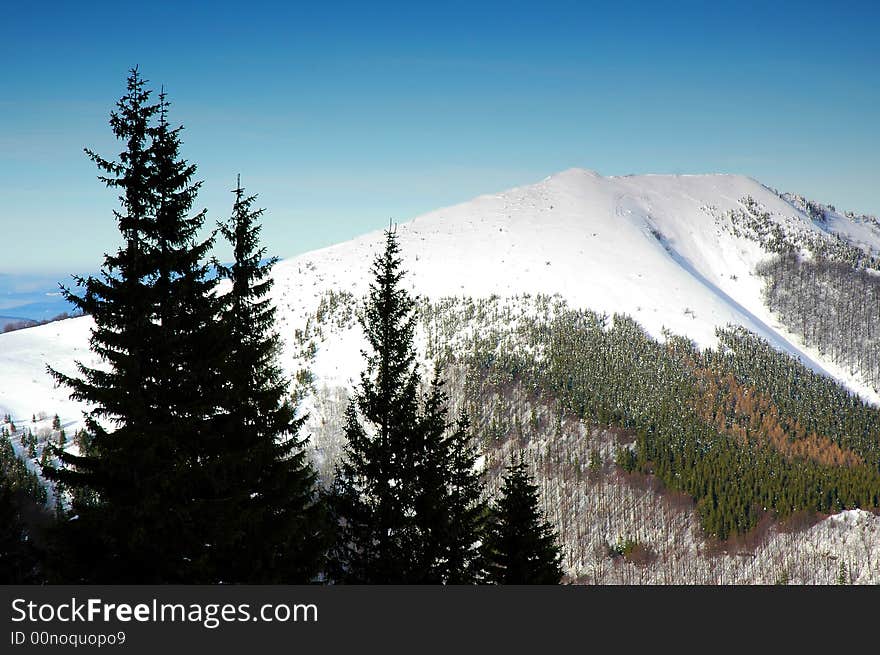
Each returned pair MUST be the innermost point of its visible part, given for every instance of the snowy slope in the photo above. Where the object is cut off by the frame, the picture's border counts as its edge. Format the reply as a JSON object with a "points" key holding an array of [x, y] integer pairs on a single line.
{"points": [[653, 246], [26, 388]]}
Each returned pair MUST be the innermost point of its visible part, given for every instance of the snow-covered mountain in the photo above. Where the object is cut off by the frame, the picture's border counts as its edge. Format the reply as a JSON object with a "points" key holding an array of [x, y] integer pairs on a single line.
{"points": [[658, 247], [676, 252], [662, 248]]}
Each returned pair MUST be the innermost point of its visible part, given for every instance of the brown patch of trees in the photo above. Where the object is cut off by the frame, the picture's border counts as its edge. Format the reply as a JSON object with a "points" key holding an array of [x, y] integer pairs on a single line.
{"points": [[749, 415]]}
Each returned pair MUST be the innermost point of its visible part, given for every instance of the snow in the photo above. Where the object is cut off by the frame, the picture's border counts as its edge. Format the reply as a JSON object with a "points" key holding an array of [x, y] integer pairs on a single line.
{"points": [[26, 388], [649, 245]]}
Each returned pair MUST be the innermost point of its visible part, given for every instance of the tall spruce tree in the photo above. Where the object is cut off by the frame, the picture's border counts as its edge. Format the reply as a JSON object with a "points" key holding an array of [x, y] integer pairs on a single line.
{"points": [[521, 548], [138, 484], [375, 484], [187, 354], [118, 301], [270, 513], [450, 508], [467, 509], [406, 497]]}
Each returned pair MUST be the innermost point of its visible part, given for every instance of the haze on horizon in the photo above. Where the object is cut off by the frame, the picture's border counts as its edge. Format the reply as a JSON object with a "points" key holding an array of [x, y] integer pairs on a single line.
{"points": [[341, 117]]}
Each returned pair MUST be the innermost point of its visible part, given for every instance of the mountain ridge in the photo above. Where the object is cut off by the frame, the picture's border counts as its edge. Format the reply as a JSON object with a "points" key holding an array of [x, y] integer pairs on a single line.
{"points": [[657, 247]]}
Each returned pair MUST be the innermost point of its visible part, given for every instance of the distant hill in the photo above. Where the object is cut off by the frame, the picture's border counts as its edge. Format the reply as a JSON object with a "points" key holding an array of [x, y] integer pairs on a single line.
{"points": [[34, 297]]}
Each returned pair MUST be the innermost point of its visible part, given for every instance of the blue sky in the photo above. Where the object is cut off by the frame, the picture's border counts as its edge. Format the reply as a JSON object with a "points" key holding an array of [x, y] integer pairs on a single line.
{"points": [[343, 115]]}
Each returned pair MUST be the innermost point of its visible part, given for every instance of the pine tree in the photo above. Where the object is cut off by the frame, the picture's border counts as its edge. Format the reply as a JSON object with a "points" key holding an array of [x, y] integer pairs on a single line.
{"points": [[520, 546], [466, 509], [406, 498], [118, 303], [139, 486], [595, 464], [186, 355], [842, 576], [375, 484], [450, 509], [270, 518]]}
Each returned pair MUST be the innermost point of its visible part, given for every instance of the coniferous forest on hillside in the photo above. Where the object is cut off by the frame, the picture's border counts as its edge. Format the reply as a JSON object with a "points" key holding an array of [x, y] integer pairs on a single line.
{"points": [[744, 430], [194, 465]]}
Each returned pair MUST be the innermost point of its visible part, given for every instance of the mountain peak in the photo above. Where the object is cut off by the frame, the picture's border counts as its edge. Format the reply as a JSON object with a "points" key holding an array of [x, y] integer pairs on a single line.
{"points": [[574, 173]]}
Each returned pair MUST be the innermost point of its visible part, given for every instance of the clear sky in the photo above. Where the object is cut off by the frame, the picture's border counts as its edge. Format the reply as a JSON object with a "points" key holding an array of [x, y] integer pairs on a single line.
{"points": [[341, 115]]}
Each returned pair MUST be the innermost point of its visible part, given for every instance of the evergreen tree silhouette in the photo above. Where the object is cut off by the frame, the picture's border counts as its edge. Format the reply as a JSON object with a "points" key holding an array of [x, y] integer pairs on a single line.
{"points": [[520, 546], [375, 484], [450, 508], [406, 499], [138, 487], [268, 508]]}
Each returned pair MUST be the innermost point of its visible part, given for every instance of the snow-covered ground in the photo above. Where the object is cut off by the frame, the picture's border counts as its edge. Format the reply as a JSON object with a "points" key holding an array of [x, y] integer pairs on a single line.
{"points": [[26, 388], [657, 247]]}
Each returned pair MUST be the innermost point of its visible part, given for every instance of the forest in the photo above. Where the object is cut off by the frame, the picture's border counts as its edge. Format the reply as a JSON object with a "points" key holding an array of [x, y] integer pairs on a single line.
{"points": [[831, 306], [743, 429]]}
